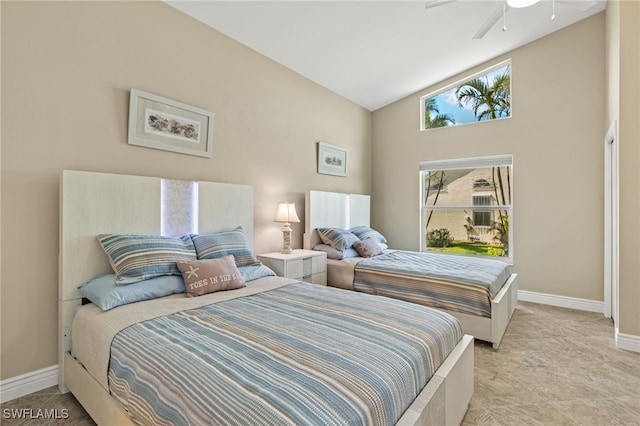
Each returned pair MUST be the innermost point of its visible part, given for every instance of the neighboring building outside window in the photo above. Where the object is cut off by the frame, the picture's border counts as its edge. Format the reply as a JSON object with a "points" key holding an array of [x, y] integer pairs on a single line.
{"points": [[467, 206]]}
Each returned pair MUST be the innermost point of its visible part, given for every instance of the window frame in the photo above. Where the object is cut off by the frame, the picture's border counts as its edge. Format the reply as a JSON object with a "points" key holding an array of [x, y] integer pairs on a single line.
{"points": [[505, 160], [462, 81]]}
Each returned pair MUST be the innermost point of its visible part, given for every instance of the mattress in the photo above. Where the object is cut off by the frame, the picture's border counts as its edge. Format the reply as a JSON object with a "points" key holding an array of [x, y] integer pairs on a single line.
{"points": [[280, 352], [456, 283], [340, 273]]}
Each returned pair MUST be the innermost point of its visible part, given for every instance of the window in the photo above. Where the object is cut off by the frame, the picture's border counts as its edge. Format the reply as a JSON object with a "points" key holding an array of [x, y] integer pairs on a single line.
{"points": [[467, 207], [481, 183], [483, 96], [482, 217]]}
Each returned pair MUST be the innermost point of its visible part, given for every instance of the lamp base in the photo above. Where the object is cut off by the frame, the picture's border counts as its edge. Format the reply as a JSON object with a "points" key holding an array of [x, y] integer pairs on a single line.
{"points": [[286, 239]]}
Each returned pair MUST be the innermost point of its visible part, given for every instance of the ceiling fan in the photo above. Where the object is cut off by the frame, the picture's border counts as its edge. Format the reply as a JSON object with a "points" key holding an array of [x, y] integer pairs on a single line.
{"points": [[501, 10]]}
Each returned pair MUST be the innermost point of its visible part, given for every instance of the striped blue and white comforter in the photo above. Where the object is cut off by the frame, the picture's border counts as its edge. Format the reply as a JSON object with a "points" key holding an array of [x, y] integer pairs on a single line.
{"points": [[300, 354], [457, 283]]}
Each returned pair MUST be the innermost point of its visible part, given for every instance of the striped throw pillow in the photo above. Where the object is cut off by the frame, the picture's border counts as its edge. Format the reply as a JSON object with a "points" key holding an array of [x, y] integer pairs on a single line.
{"points": [[220, 244], [339, 239], [139, 257], [364, 232]]}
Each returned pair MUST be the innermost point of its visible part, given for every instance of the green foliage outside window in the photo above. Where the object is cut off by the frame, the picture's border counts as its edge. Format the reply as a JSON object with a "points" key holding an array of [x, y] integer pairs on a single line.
{"points": [[486, 96], [439, 238]]}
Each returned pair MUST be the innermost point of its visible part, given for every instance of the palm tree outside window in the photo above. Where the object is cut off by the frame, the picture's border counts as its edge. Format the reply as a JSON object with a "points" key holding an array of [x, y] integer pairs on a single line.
{"points": [[466, 207], [481, 97]]}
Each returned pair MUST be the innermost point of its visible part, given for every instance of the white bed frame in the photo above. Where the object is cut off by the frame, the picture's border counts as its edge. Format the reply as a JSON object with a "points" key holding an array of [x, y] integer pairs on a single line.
{"points": [[338, 210], [94, 203]]}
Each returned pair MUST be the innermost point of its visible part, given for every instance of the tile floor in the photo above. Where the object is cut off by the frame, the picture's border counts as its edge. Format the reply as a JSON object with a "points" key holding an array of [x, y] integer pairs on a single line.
{"points": [[555, 366]]}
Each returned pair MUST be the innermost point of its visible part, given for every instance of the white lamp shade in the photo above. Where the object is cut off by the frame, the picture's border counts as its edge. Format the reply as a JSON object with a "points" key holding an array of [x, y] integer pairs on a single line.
{"points": [[287, 213], [521, 3]]}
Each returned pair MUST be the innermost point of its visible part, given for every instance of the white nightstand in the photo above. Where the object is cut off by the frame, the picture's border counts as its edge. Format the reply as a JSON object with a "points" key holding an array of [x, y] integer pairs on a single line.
{"points": [[305, 265]]}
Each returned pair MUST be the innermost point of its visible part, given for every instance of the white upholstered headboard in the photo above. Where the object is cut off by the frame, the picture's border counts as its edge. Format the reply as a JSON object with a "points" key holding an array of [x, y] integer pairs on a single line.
{"points": [[94, 203], [333, 210]]}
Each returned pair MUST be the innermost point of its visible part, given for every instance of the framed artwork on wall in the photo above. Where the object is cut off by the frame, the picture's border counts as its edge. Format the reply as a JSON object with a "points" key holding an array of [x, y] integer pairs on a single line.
{"points": [[161, 123], [332, 160]]}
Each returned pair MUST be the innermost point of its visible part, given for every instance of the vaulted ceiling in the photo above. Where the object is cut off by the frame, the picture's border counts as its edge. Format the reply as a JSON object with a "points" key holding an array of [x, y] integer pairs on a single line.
{"points": [[376, 52]]}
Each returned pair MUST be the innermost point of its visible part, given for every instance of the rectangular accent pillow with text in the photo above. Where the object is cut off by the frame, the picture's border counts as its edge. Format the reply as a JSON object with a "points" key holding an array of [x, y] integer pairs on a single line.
{"points": [[210, 275]]}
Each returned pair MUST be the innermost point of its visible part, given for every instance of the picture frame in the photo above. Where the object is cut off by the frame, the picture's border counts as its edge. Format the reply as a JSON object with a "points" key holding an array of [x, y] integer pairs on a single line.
{"points": [[332, 160], [161, 123]]}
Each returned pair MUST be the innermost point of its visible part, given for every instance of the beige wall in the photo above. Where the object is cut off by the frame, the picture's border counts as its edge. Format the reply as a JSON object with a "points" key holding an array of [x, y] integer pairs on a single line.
{"points": [[67, 68], [623, 106], [555, 136]]}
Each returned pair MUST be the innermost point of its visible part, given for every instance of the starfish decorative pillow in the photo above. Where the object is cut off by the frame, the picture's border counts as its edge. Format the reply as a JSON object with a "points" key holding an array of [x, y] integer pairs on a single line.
{"points": [[210, 275]]}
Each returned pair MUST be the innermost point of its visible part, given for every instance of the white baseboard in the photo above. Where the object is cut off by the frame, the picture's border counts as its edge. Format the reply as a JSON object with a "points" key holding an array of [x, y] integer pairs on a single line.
{"points": [[561, 301], [628, 342], [27, 383]]}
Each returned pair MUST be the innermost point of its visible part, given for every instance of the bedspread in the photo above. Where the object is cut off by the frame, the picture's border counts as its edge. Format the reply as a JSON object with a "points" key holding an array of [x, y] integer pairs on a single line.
{"points": [[299, 354], [457, 283]]}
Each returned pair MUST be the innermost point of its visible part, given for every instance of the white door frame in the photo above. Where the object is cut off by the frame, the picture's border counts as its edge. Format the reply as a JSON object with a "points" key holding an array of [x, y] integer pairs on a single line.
{"points": [[611, 230]]}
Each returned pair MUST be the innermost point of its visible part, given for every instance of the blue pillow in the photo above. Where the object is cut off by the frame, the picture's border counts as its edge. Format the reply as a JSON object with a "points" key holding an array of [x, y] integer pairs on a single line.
{"points": [[253, 272], [140, 257], [221, 244], [336, 254], [104, 292]]}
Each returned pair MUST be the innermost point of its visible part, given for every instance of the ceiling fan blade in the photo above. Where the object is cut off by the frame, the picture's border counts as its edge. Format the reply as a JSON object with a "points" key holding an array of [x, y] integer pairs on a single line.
{"points": [[491, 21], [435, 3], [577, 4]]}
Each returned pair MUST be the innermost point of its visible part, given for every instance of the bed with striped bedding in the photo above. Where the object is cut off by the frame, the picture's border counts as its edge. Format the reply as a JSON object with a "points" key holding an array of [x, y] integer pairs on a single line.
{"points": [[455, 283], [296, 354]]}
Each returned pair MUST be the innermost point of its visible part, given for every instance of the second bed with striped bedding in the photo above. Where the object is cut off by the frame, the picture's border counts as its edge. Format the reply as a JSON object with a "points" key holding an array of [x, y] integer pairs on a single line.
{"points": [[456, 283]]}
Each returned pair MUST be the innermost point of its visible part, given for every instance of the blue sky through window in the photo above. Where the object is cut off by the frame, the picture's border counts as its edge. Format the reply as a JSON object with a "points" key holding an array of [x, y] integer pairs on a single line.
{"points": [[446, 103]]}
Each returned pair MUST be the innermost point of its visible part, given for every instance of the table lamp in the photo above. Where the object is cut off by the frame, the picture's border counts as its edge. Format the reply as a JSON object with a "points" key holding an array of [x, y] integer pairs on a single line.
{"points": [[286, 213]]}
